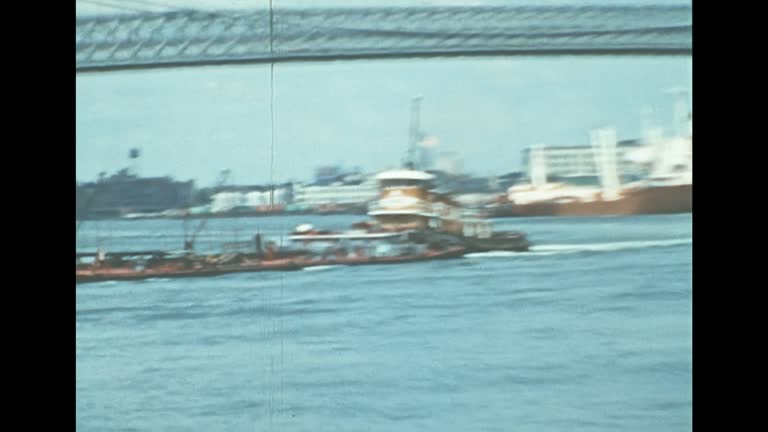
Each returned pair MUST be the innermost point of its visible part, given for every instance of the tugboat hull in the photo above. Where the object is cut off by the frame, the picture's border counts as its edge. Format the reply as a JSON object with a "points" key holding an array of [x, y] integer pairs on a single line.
{"points": [[511, 241]]}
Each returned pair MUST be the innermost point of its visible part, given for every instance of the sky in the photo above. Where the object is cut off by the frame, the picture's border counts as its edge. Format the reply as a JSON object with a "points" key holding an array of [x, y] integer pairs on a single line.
{"points": [[191, 123]]}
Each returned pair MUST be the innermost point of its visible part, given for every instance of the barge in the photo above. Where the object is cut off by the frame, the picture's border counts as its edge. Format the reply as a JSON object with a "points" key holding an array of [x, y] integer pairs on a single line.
{"points": [[411, 221]]}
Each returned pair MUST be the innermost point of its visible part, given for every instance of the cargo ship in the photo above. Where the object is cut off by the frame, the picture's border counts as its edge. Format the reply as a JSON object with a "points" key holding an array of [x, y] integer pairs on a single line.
{"points": [[667, 189]]}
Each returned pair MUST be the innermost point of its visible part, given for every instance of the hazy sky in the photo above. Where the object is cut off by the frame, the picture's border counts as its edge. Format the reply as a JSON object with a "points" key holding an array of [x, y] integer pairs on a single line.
{"points": [[191, 123]]}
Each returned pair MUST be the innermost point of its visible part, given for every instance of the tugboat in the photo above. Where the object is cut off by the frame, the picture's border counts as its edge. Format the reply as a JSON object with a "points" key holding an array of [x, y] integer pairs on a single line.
{"points": [[411, 214], [410, 208]]}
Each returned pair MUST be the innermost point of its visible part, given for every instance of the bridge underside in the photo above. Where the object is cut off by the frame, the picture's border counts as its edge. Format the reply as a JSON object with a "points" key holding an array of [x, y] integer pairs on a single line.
{"points": [[195, 38]]}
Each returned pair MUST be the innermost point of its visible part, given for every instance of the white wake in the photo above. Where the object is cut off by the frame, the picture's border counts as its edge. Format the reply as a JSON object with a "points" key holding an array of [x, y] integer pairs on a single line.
{"points": [[556, 249]]}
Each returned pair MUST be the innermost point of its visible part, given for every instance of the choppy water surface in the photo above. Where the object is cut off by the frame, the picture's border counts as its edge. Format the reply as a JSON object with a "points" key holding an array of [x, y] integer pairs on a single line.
{"points": [[589, 331]]}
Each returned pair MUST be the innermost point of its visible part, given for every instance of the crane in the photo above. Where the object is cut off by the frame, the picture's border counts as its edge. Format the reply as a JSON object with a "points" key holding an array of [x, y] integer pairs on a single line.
{"points": [[189, 239]]}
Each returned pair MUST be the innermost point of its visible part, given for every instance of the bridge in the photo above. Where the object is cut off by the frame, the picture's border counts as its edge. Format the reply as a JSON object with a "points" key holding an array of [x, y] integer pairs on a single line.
{"points": [[188, 37]]}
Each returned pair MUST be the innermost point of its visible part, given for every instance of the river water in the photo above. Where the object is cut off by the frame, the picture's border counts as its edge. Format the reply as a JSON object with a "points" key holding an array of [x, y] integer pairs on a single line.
{"points": [[590, 331]]}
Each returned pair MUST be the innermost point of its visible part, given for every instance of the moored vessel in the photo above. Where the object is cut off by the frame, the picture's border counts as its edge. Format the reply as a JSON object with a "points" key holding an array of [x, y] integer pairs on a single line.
{"points": [[667, 189]]}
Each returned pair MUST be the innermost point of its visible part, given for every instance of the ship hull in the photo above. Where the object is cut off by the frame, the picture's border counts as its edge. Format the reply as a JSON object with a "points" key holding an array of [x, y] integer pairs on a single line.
{"points": [[637, 201]]}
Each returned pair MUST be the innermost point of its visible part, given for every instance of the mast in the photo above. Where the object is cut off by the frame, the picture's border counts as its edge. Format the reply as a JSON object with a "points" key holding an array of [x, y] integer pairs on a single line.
{"points": [[681, 110], [604, 144], [414, 131], [538, 166], [670, 150]]}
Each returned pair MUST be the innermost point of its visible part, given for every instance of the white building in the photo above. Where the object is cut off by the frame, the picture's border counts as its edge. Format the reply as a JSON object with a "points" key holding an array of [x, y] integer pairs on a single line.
{"points": [[262, 198], [337, 193], [224, 201], [228, 200]]}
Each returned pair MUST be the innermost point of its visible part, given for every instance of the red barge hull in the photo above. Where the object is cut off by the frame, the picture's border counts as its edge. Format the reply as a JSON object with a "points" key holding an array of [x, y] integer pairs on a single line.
{"points": [[178, 271]]}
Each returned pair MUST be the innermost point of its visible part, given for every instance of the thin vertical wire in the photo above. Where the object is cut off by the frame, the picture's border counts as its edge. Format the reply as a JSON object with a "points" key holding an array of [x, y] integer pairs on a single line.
{"points": [[271, 109], [272, 136], [272, 198]]}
